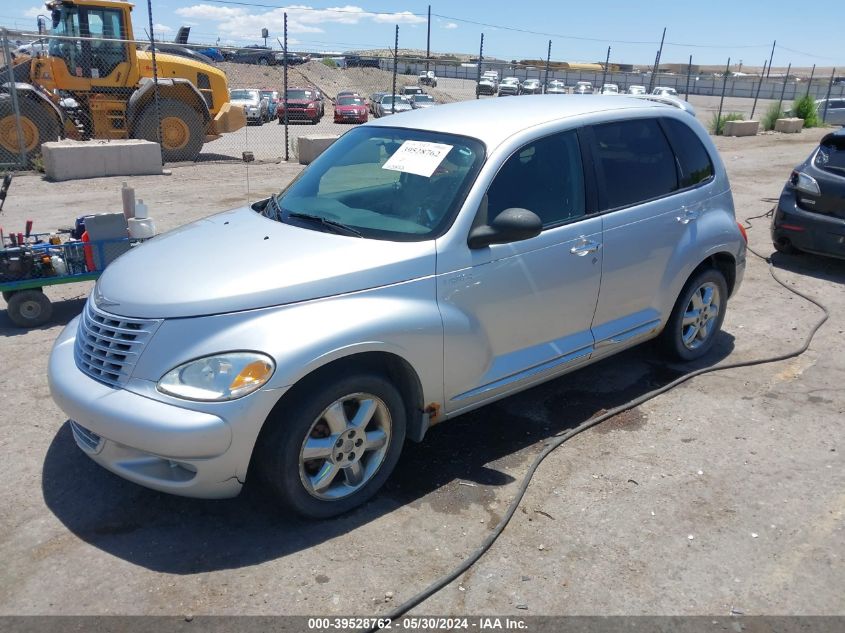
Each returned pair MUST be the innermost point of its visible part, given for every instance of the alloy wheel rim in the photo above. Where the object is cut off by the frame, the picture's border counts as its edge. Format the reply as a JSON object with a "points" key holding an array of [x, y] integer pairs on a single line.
{"points": [[345, 446], [700, 316]]}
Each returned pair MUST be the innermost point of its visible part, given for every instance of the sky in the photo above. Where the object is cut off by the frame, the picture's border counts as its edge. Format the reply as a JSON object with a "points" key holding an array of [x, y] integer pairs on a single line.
{"points": [[580, 31]]}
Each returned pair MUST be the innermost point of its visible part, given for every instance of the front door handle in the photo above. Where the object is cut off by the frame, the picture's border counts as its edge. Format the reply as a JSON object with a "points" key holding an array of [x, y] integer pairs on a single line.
{"points": [[585, 247], [687, 215]]}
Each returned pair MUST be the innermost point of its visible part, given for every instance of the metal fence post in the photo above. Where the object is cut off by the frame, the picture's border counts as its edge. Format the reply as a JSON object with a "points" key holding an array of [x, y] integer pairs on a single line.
{"points": [[689, 76], [13, 92], [548, 61], [285, 87], [478, 70], [810, 82], [604, 74], [718, 129], [783, 90], [827, 96], [155, 75], [759, 85], [395, 65]]}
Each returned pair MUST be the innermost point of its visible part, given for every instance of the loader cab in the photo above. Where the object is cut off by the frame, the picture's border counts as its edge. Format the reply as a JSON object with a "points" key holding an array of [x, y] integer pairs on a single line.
{"points": [[90, 47]]}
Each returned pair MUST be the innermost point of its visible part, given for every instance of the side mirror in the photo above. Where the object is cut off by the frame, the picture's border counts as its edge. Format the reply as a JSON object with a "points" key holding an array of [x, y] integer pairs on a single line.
{"points": [[511, 225]]}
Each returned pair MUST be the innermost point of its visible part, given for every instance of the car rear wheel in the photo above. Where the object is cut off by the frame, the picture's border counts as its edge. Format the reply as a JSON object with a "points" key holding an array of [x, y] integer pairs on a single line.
{"points": [[784, 246], [331, 449], [697, 316]]}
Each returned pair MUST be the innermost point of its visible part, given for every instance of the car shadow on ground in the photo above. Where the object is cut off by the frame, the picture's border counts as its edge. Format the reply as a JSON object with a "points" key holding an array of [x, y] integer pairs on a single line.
{"points": [[817, 266], [64, 311], [177, 535]]}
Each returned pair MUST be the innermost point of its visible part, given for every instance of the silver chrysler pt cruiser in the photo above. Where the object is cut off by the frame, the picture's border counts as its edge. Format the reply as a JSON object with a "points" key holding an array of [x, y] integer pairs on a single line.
{"points": [[418, 269]]}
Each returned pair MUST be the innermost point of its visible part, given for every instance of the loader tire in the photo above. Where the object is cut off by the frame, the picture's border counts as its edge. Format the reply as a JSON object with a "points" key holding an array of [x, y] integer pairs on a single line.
{"points": [[182, 130], [38, 125]]}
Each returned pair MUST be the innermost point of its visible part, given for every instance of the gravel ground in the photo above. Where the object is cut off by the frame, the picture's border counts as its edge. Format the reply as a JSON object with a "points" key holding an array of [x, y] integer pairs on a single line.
{"points": [[725, 493]]}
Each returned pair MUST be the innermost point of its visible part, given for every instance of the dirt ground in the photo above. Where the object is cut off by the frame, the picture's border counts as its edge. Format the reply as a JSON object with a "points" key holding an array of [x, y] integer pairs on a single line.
{"points": [[723, 494]]}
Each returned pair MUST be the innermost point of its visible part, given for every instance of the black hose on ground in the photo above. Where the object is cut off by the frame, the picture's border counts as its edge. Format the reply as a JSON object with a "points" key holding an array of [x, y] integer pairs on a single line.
{"points": [[559, 439]]}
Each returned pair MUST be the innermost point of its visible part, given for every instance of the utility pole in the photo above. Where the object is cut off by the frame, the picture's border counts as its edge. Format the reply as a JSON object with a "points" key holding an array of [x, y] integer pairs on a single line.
{"points": [[395, 67], [285, 88]]}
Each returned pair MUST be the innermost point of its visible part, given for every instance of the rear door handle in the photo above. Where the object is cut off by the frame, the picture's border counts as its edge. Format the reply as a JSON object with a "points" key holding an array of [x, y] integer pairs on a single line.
{"points": [[687, 215], [585, 247]]}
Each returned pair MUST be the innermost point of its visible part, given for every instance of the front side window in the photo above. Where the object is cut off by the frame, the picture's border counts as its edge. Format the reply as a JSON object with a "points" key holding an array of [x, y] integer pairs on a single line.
{"points": [[104, 25], [546, 177], [636, 161], [694, 164], [384, 183]]}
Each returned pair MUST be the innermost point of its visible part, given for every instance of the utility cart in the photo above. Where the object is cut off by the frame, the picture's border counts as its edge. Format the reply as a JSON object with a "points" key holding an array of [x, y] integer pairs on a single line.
{"points": [[27, 267]]}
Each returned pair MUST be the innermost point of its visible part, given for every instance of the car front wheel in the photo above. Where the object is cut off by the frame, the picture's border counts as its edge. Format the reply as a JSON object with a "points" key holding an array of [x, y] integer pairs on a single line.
{"points": [[697, 316], [333, 447]]}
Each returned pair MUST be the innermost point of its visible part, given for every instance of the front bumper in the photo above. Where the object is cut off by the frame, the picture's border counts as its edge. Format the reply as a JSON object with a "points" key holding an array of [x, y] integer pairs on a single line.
{"points": [[816, 233], [149, 442], [299, 115]]}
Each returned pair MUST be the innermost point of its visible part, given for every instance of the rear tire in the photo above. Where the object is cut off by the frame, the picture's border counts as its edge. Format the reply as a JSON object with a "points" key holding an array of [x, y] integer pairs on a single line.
{"points": [[182, 129], [322, 419], [29, 308], [7, 294], [697, 317], [38, 123]]}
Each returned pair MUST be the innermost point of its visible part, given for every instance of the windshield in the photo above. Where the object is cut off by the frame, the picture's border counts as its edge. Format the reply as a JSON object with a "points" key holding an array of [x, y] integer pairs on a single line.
{"points": [[350, 101], [423, 98], [243, 95], [399, 99], [299, 94], [267, 94], [386, 183]]}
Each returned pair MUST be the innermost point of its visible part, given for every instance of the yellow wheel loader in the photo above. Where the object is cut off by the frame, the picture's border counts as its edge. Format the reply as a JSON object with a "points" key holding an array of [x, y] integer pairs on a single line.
{"points": [[91, 81]]}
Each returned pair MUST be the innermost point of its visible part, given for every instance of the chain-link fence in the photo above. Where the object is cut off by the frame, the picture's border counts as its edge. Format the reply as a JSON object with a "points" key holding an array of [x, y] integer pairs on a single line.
{"points": [[207, 103]]}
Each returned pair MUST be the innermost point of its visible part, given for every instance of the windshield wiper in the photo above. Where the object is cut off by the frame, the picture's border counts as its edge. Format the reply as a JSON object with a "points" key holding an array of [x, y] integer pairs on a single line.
{"points": [[337, 227]]}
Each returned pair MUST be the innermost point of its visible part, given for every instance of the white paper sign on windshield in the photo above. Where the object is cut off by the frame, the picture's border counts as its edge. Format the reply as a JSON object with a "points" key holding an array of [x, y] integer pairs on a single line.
{"points": [[418, 157]]}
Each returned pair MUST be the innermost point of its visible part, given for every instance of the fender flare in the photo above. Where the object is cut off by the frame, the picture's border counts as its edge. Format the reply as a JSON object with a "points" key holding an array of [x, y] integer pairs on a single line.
{"points": [[29, 91]]}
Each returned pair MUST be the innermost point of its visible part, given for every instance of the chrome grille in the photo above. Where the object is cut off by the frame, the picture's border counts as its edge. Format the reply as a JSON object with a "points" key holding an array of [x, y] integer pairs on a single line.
{"points": [[108, 346]]}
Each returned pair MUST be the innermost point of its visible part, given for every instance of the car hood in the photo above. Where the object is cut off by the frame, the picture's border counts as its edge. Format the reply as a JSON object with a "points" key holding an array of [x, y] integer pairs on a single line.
{"points": [[240, 260], [246, 102], [299, 102], [351, 108]]}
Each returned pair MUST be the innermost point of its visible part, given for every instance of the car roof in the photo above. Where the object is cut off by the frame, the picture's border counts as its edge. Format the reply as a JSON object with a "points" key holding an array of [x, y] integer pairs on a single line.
{"points": [[494, 120]]}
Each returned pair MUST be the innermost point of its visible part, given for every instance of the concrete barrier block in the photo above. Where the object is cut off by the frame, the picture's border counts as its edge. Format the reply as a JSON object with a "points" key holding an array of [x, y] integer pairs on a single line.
{"points": [[791, 125], [311, 146], [72, 160], [741, 128]]}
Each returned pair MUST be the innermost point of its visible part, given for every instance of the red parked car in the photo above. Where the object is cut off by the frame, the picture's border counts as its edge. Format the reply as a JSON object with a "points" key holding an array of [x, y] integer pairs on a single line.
{"points": [[303, 104], [351, 109]]}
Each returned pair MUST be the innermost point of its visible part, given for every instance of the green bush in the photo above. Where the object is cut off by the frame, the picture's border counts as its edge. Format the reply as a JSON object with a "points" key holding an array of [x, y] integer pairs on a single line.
{"points": [[717, 123], [328, 61], [773, 113], [805, 108]]}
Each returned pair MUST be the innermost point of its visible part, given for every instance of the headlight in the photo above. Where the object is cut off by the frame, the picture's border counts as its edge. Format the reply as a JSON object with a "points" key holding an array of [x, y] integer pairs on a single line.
{"points": [[218, 378]]}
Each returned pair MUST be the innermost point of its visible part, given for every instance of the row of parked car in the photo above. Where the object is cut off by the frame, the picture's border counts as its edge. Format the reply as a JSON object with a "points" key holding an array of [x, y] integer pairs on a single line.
{"points": [[308, 104], [489, 84]]}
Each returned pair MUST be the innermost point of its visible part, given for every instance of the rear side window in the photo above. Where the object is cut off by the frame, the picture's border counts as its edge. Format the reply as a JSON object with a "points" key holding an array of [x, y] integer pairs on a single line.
{"points": [[694, 164], [831, 155], [636, 161]]}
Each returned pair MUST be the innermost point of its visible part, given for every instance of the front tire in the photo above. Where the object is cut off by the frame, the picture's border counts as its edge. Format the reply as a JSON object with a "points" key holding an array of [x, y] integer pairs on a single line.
{"points": [[330, 451], [182, 129], [697, 316], [37, 123]]}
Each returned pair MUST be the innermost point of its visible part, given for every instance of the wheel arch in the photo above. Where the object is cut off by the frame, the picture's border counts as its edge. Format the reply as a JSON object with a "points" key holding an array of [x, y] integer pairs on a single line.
{"points": [[386, 363], [722, 261], [32, 93]]}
